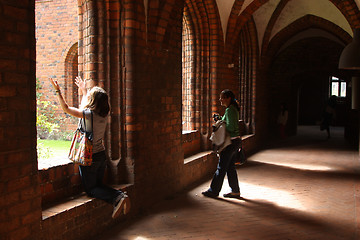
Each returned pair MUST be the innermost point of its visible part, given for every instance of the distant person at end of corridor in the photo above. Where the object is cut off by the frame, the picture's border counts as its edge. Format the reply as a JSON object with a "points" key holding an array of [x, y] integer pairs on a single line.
{"points": [[282, 120], [226, 163], [328, 115], [95, 108]]}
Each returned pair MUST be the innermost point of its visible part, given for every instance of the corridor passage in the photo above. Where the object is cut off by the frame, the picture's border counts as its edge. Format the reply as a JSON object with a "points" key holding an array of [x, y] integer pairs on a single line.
{"points": [[303, 188]]}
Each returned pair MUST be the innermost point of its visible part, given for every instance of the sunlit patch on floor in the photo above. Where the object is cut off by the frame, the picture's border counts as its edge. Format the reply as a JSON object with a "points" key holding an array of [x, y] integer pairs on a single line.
{"points": [[275, 196], [141, 238], [290, 159], [301, 166]]}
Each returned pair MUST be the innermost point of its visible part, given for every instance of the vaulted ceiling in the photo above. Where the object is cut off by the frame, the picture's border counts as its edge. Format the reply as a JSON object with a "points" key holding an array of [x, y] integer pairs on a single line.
{"points": [[272, 16]]}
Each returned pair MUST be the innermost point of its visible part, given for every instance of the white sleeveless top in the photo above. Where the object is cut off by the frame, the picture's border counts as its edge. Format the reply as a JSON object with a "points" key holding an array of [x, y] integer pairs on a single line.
{"points": [[99, 127]]}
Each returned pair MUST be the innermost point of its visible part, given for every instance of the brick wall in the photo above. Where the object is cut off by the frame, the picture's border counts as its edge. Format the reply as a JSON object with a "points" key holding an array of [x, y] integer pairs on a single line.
{"points": [[245, 62], [157, 101], [58, 183], [140, 66], [56, 47], [20, 201], [242, 74]]}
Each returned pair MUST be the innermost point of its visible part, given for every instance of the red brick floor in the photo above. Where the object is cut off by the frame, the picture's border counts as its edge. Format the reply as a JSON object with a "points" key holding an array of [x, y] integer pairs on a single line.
{"points": [[305, 187]]}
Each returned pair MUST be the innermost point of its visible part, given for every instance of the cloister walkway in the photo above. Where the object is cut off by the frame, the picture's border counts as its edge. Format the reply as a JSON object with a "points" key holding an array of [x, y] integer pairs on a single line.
{"points": [[304, 187]]}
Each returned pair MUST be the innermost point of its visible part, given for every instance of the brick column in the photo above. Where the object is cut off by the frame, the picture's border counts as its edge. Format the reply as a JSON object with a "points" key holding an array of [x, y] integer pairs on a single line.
{"points": [[20, 201]]}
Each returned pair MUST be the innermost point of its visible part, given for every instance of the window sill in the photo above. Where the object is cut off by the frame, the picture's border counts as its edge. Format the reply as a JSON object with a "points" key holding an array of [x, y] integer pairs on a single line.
{"points": [[244, 137], [189, 132], [72, 203], [205, 155], [44, 165], [202, 156]]}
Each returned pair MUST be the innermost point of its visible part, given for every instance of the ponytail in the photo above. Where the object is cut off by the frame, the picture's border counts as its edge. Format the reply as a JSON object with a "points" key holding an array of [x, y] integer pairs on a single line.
{"points": [[229, 94]]}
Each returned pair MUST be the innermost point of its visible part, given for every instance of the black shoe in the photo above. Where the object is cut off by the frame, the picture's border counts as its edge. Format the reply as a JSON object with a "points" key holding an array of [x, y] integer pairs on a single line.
{"points": [[232, 195], [209, 194]]}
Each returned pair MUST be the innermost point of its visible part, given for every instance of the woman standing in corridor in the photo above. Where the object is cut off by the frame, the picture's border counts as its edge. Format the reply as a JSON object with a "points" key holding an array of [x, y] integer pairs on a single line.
{"points": [[226, 163]]}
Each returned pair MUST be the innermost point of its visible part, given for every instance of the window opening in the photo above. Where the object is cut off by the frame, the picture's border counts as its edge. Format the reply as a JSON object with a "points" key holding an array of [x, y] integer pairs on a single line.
{"points": [[187, 82], [191, 82], [246, 78], [337, 87], [71, 72], [56, 24]]}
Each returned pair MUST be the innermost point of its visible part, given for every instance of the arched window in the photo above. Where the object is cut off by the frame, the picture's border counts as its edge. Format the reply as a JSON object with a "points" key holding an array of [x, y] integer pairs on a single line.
{"points": [[71, 71], [247, 74], [188, 85]]}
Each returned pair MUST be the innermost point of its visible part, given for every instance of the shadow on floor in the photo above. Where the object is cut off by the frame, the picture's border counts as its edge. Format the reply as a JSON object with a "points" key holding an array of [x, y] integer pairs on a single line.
{"points": [[301, 188]]}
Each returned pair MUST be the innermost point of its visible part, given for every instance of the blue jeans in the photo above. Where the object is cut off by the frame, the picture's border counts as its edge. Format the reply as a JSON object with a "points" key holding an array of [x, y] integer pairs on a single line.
{"points": [[226, 165], [92, 179]]}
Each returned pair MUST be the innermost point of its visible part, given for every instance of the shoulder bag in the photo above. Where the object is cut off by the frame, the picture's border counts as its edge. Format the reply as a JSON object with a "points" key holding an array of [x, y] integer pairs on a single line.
{"points": [[82, 144], [219, 137]]}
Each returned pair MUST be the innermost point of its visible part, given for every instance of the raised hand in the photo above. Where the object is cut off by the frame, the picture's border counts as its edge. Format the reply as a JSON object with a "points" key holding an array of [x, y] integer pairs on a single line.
{"points": [[81, 84], [55, 84]]}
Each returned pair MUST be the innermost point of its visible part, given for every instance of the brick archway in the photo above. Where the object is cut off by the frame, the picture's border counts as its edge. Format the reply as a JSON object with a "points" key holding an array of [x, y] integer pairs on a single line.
{"points": [[306, 22], [205, 22], [236, 20], [352, 20], [312, 68], [350, 10]]}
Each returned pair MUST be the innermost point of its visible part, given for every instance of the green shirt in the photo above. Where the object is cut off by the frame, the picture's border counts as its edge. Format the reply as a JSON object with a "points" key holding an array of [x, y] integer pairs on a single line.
{"points": [[231, 118]]}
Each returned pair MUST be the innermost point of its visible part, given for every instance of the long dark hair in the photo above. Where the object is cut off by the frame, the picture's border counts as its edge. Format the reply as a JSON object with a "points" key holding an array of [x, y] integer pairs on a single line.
{"points": [[99, 101], [229, 94]]}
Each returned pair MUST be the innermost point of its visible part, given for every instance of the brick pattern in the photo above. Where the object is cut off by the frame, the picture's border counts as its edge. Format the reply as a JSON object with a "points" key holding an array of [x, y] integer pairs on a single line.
{"points": [[237, 20], [20, 201], [71, 71], [191, 143], [350, 10], [86, 216], [56, 44], [203, 21], [139, 63], [59, 183], [246, 67], [241, 50], [88, 57]]}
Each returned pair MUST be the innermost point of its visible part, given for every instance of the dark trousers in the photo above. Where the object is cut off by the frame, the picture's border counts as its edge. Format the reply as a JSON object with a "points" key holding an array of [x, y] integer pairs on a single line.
{"points": [[92, 179], [226, 165]]}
